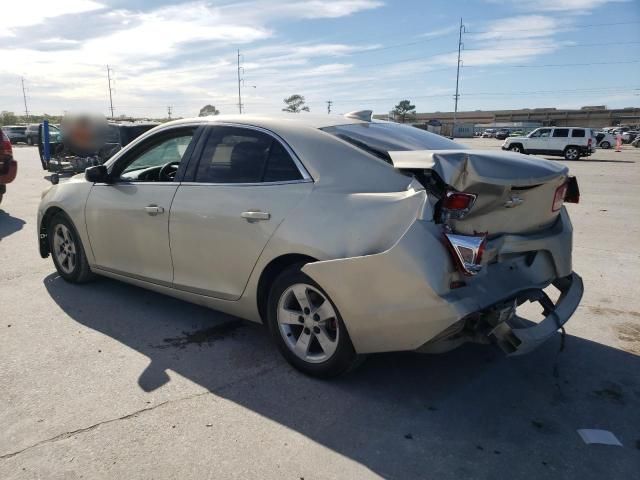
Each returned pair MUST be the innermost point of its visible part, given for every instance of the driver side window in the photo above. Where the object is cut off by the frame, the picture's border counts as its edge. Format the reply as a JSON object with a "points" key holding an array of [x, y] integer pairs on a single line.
{"points": [[160, 161]]}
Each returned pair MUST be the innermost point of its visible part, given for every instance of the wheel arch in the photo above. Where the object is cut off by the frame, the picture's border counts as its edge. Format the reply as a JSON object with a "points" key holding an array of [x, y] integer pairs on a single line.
{"points": [[43, 229], [271, 272]]}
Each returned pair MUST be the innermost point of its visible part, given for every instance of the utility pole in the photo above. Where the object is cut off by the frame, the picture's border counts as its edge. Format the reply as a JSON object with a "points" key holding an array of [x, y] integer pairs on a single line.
{"points": [[457, 95], [329, 103], [239, 83], [110, 96], [169, 111], [24, 96]]}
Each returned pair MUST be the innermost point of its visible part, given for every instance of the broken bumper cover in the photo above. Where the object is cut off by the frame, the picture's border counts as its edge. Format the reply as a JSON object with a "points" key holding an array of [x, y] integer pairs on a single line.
{"points": [[514, 338]]}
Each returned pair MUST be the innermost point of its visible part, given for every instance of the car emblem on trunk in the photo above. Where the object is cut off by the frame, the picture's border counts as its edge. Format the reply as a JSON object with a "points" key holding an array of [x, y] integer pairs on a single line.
{"points": [[514, 201]]}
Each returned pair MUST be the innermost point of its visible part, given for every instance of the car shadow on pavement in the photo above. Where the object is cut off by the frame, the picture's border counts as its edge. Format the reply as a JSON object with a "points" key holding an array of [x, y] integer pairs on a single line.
{"points": [[9, 224], [467, 413]]}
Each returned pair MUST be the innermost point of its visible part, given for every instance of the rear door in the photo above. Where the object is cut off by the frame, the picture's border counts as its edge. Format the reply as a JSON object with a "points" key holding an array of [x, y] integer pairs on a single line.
{"points": [[245, 183], [559, 139]]}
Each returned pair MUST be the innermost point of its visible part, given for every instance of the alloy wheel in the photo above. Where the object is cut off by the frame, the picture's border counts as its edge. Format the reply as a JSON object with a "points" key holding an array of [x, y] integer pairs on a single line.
{"points": [[64, 247], [571, 154], [308, 323]]}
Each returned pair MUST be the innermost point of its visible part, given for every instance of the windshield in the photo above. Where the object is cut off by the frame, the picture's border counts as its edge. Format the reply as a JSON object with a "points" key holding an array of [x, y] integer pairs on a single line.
{"points": [[381, 138]]}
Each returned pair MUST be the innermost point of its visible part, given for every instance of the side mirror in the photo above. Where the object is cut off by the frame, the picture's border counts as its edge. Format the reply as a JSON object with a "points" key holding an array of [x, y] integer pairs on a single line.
{"points": [[97, 174]]}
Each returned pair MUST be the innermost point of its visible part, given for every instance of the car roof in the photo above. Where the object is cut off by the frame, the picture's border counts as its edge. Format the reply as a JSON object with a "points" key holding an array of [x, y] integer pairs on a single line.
{"points": [[314, 121]]}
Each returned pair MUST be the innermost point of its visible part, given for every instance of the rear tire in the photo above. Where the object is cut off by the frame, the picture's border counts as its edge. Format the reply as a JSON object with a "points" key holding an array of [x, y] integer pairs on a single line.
{"points": [[605, 145], [516, 148], [571, 153], [309, 333], [67, 251]]}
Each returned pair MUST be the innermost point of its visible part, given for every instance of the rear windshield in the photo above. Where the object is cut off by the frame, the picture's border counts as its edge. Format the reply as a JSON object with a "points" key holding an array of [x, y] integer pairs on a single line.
{"points": [[381, 138]]}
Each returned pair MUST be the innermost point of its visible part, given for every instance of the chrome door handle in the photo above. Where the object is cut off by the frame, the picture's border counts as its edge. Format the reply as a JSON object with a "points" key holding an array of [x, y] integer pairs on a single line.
{"points": [[153, 209], [255, 215]]}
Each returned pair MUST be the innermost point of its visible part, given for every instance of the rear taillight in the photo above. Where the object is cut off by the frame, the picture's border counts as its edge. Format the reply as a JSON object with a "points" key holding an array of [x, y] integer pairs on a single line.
{"points": [[558, 197], [456, 205], [467, 251], [5, 145]]}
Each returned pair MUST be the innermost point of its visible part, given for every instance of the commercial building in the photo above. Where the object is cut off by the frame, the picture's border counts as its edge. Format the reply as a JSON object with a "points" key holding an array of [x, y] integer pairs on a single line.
{"points": [[527, 118]]}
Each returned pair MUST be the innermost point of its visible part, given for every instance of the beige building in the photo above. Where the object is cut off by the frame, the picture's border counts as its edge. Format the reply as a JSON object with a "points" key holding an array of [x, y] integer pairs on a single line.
{"points": [[596, 116]]}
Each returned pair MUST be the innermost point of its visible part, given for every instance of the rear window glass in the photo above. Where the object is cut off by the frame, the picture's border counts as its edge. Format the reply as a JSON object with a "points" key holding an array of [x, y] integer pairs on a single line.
{"points": [[561, 132], [577, 133], [381, 138]]}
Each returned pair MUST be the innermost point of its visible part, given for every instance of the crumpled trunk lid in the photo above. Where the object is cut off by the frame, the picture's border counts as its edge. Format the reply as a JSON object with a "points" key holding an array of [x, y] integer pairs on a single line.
{"points": [[515, 192]]}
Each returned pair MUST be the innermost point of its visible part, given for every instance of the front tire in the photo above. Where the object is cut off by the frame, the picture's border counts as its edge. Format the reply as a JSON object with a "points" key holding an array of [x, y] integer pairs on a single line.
{"points": [[516, 148], [605, 145], [307, 327], [67, 250], [571, 153]]}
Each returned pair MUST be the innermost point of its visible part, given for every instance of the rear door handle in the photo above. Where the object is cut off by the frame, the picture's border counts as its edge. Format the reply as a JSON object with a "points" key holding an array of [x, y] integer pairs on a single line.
{"points": [[153, 209], [255, 215]]}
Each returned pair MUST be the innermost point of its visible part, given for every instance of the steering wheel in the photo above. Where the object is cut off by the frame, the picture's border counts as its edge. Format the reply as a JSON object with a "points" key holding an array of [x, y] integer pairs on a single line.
{"points": [[168, 171]]}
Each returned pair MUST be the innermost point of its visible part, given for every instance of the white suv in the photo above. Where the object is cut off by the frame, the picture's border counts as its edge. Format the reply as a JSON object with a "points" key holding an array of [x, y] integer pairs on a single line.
{"points": [[569, 142]]}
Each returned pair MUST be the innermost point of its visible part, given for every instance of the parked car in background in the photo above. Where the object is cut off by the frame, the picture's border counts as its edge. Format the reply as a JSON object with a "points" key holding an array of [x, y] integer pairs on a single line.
{"points": [[629, 136], [605, 139], [231, 212], [489, 133], [636, 142], [32, 133], [8, 166], [502, 134], [516, 133], [569, 142], [16, 133]]}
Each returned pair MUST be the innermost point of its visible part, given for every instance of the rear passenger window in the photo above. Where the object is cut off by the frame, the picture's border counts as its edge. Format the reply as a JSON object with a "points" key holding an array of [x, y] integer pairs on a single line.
{"points": [[280, 166], [577, 133], [239, 155], [561, 132]]}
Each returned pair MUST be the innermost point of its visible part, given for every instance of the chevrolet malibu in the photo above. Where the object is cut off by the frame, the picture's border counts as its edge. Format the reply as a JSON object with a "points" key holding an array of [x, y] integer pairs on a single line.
{"points": [[344, 235]]}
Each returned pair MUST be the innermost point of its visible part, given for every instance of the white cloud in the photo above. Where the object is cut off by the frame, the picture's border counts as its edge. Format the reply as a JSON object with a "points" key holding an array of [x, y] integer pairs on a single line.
{"points": [[16, 14], [576, 6]]}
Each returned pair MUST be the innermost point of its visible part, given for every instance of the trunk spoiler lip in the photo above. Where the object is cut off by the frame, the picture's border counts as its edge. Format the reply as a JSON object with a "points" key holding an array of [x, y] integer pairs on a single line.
{"points": [[460, 168]]}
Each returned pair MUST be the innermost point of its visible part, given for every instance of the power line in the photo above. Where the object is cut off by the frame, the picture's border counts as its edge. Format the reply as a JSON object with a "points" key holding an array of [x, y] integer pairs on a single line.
{"points": [[555, 65], [588, 25]]}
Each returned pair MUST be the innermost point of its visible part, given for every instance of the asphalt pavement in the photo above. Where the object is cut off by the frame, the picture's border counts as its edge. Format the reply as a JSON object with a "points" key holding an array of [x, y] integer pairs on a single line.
{"points": [[106, 380]]}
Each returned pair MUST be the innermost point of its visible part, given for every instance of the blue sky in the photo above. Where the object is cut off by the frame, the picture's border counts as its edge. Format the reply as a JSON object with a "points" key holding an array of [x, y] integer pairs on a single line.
{"points": [[357, 53]]}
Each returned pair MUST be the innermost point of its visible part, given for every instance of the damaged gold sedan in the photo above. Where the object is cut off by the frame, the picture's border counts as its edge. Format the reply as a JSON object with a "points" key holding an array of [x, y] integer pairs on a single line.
{"points": [[344, 235]]}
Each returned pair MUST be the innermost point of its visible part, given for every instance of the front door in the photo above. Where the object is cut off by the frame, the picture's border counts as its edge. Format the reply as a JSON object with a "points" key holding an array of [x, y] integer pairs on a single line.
{"points": [[538, 141], [245, 184], [128, 218]]}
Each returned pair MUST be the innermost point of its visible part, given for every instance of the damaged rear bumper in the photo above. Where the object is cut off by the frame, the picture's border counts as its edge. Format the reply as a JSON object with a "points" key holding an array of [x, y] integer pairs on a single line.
{"points": [[401, 299], [515, 337]]}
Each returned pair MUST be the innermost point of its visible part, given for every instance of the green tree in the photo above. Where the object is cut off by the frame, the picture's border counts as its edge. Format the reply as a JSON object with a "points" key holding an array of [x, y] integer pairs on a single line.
{"points": [[403, 109], [208, 110], [8, 118], [295, 104]]}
